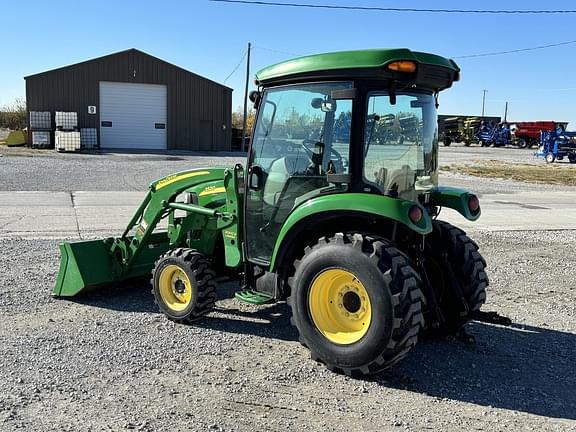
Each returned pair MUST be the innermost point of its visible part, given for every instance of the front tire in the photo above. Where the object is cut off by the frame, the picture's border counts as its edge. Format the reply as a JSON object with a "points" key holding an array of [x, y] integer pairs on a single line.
{"points": [[356, 302], [183, 285], [550, 157]]}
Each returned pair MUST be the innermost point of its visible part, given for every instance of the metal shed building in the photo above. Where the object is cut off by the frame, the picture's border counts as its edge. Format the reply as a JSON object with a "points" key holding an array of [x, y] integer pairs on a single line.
{"points": [[137, 101]]}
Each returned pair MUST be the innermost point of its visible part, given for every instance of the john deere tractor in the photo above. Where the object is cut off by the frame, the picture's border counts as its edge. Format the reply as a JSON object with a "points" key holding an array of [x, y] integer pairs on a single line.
{"points": [[340, 225]]}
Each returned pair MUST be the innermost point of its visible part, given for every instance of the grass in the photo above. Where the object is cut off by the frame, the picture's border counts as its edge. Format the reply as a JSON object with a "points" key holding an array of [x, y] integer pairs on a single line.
{"points": [[560, 174]]}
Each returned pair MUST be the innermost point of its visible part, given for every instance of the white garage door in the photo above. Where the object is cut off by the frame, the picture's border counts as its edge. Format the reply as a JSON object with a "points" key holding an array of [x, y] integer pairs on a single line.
{"points": [[132, 116]]}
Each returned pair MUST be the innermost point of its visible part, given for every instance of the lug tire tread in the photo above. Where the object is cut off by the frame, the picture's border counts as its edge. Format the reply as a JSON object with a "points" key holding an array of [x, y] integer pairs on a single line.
{"points": [[407, 300], [205, 283], [471, 266]]}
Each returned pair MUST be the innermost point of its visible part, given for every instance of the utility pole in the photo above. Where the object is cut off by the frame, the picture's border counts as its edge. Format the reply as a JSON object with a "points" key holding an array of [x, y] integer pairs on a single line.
{"points": [[506, 112], [483, 101], [246, 98]]}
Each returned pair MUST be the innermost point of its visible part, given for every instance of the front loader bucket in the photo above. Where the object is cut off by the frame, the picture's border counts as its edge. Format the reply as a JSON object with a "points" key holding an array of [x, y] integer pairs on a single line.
{"points": [[83, 265]]}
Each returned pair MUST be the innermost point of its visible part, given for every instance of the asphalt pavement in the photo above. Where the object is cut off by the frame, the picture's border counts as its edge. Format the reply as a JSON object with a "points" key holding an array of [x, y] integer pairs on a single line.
{"points": [[86, 214], [82, 196]]}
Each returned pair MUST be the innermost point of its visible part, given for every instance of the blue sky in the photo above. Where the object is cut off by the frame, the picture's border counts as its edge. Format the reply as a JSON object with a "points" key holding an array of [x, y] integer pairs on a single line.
{"points": [[210, 39]]}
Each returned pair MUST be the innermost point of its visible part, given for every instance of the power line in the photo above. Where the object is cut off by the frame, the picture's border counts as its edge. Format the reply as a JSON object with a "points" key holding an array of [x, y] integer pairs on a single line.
{"points": [[495, 53], [391, 9], [276, 51], [236, 68], [516, 50]]}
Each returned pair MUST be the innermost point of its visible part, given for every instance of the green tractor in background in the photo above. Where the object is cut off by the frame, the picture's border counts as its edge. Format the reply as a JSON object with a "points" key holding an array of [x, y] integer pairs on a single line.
{"points": [[452, 132], [337, 223], [471, 128]]}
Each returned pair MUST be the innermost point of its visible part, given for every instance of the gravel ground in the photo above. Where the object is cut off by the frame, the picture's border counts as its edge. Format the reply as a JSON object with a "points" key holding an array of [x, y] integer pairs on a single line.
{"points": [[52, 171], [110, 361]]}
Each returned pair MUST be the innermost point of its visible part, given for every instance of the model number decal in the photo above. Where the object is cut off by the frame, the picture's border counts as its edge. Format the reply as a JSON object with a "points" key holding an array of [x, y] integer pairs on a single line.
{"points": [[177, 177], [231, 235], [212, 190]]}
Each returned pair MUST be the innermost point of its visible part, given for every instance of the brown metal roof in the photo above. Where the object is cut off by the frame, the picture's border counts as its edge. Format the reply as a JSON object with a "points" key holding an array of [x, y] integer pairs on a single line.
{"points": [[120, 53]]}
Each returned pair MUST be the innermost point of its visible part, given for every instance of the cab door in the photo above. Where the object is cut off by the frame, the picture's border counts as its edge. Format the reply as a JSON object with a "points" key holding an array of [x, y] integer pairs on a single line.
{"points": [[301, 135]]}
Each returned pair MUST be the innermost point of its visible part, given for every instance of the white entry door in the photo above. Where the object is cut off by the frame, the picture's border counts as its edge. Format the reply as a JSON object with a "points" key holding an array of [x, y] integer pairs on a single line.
{"points": [[132, 116]]}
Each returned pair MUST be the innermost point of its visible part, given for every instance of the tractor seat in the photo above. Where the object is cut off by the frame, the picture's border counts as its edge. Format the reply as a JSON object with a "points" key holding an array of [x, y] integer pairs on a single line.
{"points": [[287, 181], [401, 183], [280, 171]]}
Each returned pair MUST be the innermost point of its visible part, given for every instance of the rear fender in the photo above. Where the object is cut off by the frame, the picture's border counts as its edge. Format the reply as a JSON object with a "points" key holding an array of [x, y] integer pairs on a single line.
{"points": [[355, 204], [456, 199]]}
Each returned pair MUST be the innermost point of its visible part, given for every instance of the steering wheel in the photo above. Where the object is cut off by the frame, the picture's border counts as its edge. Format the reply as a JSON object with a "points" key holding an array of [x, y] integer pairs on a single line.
{"points": [[336, 158]]}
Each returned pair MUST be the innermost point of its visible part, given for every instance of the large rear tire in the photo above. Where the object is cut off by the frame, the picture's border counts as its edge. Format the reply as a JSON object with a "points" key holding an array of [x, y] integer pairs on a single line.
{"points": [[183, 285], [356, 302], [466, 265]]}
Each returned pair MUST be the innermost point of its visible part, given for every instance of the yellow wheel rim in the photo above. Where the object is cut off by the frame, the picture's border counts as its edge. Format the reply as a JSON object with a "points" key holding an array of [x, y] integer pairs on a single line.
{"points": [[175, 288], [340, 306]]}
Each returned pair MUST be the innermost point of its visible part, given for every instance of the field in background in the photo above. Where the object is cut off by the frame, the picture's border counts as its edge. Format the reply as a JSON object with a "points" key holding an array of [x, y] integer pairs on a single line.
{"points": [[557, 173]]}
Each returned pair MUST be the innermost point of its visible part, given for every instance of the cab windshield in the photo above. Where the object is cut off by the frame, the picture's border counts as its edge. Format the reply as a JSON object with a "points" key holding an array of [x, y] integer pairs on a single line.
{"points": [[400, 143]]}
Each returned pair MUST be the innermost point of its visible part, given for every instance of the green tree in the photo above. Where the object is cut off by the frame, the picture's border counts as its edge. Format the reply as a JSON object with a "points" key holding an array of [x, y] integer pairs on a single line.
{"points": [[13, 116], [238, 117]]}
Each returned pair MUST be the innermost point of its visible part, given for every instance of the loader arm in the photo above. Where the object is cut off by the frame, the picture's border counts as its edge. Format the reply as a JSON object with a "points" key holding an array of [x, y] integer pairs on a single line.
{"points": [[96, 262]]}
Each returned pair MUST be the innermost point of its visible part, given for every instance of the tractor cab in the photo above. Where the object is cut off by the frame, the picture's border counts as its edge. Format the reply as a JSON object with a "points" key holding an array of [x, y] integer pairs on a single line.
{"points": [[357, 122]]}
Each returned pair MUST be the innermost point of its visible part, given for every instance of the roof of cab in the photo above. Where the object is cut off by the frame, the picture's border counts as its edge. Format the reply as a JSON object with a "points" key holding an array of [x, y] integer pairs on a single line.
{"points": [[349, 60]]}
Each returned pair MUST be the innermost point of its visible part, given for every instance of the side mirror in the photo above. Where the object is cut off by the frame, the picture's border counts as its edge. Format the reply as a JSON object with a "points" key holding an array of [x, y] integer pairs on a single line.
{"points": [[325, 105], [316, 103], [255, 178], [255, 97]]}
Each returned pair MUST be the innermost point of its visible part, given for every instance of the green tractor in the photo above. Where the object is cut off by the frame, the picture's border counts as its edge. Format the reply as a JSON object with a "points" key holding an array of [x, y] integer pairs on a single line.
{"points": [[338, 224]]}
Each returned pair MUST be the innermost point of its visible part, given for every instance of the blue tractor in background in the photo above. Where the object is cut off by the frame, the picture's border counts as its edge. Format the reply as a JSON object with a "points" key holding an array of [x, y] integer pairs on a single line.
{"points": [[557, 144], [497, 134]]}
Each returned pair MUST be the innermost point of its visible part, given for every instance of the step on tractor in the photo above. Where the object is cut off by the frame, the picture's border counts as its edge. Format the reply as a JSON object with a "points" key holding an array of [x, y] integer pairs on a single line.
{"points": [[341, 226]]}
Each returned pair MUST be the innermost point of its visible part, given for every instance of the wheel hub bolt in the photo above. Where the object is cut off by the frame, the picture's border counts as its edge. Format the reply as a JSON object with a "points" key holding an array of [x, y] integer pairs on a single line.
{"points": [[180, 287]]}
